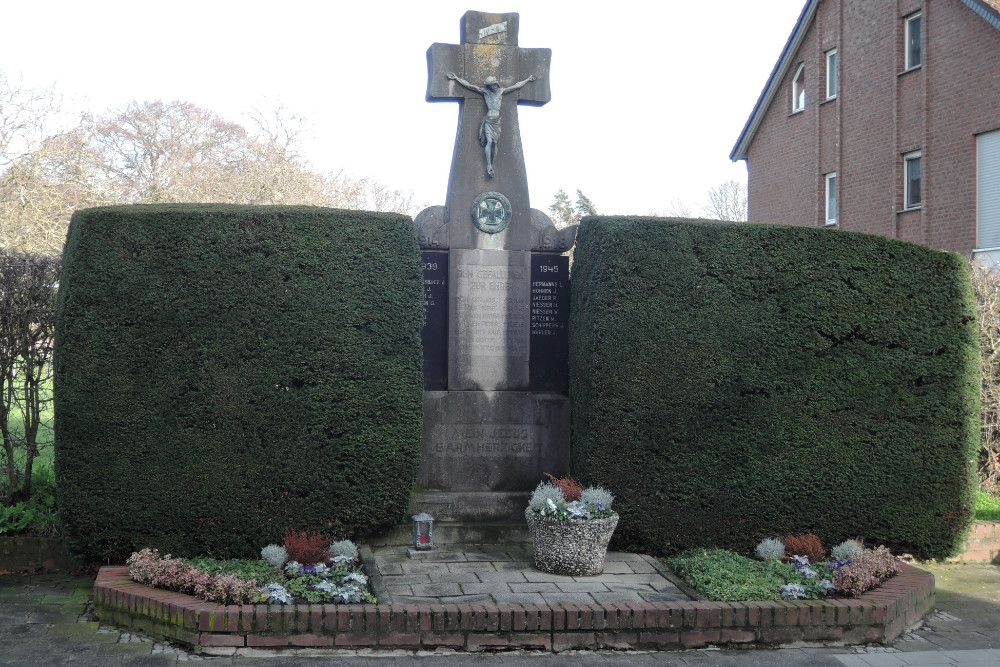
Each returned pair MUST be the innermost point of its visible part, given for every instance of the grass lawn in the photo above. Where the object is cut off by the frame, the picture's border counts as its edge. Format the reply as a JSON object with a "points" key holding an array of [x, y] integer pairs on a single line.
{"points": [[45, 451], [987, 507]]}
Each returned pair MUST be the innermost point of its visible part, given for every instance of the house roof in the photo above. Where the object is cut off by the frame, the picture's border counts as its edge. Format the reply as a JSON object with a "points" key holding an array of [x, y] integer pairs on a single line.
{"points": [[988, 10]]}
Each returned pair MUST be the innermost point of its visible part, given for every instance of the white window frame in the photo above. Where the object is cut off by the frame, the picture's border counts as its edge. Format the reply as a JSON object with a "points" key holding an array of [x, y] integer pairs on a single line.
{"points": [[907, 36], [987, 250], [832, 73], [830, 181], [797, 91], [908, 159]]}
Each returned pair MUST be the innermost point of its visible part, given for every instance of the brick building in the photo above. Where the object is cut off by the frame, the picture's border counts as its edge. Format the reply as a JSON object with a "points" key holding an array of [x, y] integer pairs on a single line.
{"points": [[883, 116]]}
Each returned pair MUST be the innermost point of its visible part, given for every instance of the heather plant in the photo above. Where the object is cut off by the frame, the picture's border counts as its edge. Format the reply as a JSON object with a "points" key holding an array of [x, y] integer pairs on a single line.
{"points": [[770, 549], [807, 545], [306, 547], [846, 550], [149, 568], [868, 570], [570, 488]]}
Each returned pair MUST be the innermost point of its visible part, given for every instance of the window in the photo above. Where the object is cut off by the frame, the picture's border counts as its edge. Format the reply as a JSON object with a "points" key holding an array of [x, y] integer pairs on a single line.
{"points": [[988, 192], [831, 74], [831, 198], [799, 89], [913, 44], [911, 180]]}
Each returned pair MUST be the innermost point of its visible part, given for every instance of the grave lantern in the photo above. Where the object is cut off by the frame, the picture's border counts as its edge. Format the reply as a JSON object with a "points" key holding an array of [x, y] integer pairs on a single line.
{"points": [[423, 532]]}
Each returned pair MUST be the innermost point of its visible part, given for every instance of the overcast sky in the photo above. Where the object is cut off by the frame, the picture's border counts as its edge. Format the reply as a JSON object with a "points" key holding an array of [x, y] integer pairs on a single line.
{"points": [[648, 98]]}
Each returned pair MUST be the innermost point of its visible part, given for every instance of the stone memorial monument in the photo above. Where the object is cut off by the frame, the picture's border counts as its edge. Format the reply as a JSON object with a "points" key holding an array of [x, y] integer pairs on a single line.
{"points": [[496, 297]]}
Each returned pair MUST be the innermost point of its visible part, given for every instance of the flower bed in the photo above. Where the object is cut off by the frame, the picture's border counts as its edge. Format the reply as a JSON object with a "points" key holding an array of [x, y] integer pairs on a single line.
{"points": [[723, 575], [879, 615], [335, 575]]}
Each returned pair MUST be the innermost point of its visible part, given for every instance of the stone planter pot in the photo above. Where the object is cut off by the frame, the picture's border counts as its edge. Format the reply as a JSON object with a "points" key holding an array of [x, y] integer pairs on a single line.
{"points": [[574, 548]]}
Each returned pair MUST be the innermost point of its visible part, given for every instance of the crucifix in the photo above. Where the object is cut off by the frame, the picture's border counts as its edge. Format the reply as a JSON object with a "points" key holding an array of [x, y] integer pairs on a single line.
{"points": [[489, 75]]}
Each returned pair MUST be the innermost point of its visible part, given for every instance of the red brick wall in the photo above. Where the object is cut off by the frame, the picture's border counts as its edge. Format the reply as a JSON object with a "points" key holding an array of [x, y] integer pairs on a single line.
{"points": [[879, 114]]}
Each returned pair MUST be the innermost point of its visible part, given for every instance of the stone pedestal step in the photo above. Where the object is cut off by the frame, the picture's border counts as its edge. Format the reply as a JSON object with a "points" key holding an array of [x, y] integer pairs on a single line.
{"points": [[458, 532]]}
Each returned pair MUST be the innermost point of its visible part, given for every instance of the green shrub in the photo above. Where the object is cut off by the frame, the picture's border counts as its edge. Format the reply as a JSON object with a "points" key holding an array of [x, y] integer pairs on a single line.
{"points": [[732, 382], [225, 373], [724, 575]]}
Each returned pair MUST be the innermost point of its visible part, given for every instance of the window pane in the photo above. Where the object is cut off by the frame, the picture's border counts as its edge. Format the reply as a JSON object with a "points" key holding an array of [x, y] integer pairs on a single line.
{"points": [[831, 198], [799, 89], [913, 42], [831, 74], [913, 182]]}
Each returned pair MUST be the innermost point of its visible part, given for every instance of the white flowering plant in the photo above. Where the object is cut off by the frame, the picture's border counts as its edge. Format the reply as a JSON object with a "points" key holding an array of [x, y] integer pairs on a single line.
{"points": [[337, 578], [565, 500]]}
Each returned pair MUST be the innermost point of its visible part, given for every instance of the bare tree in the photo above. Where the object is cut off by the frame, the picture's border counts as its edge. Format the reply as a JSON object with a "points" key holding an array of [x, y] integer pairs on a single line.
{"points": [[728, 201], [676, 208], [27, 324], [155, 152], [25, 115], [40, 191], [986, 284]]}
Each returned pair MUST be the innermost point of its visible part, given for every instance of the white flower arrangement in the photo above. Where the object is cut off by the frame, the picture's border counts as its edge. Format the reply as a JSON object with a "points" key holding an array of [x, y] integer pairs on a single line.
{"points": [[549, 501]]}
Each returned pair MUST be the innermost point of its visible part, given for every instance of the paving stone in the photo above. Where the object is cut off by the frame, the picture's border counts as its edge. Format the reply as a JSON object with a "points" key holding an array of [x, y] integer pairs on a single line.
{"points": [[456, 578], [501, 576], [612, 556], [478, 598], [618, 567], [389, 569], [488, 555], [535, 587], [581, 586], [437, 557], [535, 575], [571, 598], [657, 596], [410, 579], [491, 587], [417, 567], [617, 596], [514, 566], [642, 568], [521, 598], [432, 590], [471, 567], [636, 578], [398, 589]]}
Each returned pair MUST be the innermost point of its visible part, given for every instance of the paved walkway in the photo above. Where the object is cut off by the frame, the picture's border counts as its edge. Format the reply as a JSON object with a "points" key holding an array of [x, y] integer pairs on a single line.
{"points": [[45, 620], [505, 574]]}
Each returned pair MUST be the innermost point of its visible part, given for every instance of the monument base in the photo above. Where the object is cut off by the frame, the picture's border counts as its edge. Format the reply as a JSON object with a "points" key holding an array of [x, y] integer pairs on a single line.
{"points": [[483, 454]]}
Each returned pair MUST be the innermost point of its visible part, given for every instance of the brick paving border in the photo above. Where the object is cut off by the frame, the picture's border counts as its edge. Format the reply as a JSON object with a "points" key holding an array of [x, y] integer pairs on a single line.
{"points": [[879, 616]]}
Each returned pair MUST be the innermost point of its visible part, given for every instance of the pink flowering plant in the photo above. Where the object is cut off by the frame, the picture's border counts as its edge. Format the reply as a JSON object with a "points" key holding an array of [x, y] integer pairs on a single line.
{"points": [[336, 577]]}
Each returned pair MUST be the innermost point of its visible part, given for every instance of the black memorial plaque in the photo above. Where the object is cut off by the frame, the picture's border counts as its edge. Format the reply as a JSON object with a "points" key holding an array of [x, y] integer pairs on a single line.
{"points": [[435, 332], [549, 322]]}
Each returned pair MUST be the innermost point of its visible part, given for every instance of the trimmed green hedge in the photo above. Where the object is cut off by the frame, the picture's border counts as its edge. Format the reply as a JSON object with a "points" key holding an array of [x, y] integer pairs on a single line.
{"points": [[223, 373], [736, 382]]}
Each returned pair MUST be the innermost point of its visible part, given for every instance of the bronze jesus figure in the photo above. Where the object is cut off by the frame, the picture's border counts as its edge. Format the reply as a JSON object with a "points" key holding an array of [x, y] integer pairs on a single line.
{"points": [[489, 131]]}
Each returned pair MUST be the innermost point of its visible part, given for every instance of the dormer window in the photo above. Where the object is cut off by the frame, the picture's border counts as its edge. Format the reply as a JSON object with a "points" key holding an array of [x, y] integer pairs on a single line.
{"points": [[799, 89]]}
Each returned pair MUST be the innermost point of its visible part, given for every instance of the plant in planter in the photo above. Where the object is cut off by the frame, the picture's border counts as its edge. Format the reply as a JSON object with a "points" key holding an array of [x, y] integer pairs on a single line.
{"points": [[570, 534]]}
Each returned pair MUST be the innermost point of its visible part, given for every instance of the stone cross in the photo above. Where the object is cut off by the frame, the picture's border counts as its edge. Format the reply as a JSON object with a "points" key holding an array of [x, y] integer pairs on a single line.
{"points": [[487, 60]]}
